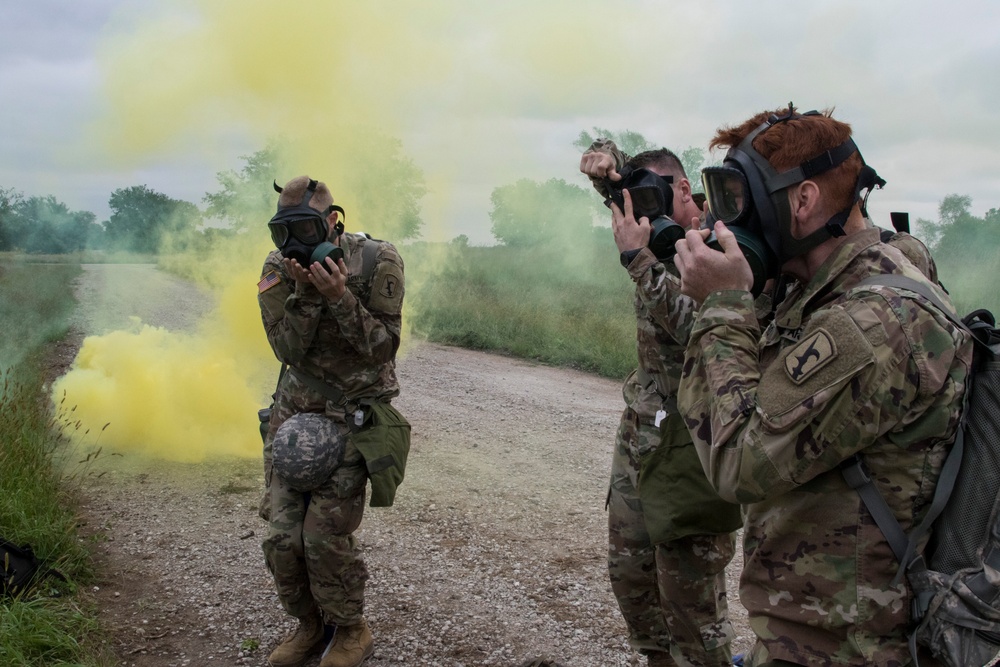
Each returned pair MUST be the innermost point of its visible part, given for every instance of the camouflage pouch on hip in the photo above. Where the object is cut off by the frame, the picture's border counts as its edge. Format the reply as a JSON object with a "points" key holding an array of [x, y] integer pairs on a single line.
{"points": [[384, 442], [676, 498]]}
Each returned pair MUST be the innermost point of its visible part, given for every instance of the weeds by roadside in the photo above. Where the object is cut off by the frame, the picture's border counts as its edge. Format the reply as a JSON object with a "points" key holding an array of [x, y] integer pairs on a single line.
{"points": [[52, 623], [527, 302]]}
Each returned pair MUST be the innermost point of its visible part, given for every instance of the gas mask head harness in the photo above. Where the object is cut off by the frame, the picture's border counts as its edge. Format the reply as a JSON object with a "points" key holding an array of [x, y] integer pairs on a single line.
{"points": [[748, 195], [653, 198], [300, 232]]}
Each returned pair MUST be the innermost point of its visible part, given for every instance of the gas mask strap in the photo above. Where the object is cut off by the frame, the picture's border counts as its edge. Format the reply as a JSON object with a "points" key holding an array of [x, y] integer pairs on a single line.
{"points": [[814, 167], [339, 227], [310, 191], [868, 181]]}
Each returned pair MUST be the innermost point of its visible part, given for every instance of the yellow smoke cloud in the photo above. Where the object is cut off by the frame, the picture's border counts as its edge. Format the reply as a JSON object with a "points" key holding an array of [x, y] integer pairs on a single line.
{"points": [[334, 82], [176, 396], [179, 395]]}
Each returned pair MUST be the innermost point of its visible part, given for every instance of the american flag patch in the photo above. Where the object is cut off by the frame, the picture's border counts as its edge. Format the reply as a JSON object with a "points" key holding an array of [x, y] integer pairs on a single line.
{"points": [[268, 281]]}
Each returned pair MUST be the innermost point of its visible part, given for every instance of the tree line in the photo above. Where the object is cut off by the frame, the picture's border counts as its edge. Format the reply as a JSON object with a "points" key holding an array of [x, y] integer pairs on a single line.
{"points": [[522, 214]]}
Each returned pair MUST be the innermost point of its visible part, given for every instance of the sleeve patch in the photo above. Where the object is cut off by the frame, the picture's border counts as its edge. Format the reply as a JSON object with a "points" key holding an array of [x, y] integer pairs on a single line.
{"points": [[270, 279], [810, 355], [387, 292], [814, 371]]}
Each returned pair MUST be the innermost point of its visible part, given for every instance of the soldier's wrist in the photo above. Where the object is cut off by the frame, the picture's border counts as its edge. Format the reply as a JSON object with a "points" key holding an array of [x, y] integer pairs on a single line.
{"points": [[628, 256]]}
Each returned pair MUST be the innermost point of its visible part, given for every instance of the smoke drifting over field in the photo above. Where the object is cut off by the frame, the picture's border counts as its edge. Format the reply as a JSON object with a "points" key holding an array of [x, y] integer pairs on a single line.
{"points": [[477, 96], [334, 85]]}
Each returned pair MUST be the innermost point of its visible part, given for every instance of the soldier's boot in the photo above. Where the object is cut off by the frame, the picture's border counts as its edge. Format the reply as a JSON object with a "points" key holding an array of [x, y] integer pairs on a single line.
{"points": [[304, 642], [351, 646], [661, 659]]}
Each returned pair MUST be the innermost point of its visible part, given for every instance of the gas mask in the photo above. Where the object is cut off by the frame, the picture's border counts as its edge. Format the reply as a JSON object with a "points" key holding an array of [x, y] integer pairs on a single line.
{"points": [[749, 196], [300, 232], [653, 198]]}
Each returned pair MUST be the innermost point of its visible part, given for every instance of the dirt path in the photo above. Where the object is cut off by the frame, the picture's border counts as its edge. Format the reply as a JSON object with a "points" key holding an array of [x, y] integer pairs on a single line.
{"points": [[493, 553]]}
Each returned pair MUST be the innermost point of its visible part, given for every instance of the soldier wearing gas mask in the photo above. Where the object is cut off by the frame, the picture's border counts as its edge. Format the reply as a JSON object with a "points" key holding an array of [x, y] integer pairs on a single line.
{"points": [[669, 534], [331, 306], [842, 370]]}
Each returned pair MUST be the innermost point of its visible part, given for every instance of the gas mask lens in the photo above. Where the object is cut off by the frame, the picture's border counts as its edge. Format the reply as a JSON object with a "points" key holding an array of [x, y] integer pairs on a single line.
{"points": [[309, 231], [647, 201], [726, 192]]}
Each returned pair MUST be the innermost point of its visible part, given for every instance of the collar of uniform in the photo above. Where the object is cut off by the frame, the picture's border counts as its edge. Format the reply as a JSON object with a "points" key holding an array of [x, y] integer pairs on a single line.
{"points": [[790, 313], [349, 243]]}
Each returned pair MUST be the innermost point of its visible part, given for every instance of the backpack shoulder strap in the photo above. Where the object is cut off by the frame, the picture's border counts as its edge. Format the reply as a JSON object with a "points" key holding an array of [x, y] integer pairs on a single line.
{"points": [[368, 252], [856, 474], [923, 289]]}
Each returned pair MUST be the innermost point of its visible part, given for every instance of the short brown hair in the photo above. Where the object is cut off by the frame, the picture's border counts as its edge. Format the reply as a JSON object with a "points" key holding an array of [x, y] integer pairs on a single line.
{"points": [[295, 189], [789, 143], [664, 158]]}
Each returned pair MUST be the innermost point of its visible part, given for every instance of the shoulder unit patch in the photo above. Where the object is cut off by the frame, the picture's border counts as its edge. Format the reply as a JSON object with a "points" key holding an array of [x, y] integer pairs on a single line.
{"points": [[810, 355], [387, 290]]}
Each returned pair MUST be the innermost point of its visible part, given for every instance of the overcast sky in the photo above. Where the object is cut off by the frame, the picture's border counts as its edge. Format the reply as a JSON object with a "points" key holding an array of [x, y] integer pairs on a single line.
{"points": [[103, 94]]}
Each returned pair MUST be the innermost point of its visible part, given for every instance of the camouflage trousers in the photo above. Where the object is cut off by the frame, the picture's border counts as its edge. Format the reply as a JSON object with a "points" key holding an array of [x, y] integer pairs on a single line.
{"points": [[310, 548], [672, 595]]}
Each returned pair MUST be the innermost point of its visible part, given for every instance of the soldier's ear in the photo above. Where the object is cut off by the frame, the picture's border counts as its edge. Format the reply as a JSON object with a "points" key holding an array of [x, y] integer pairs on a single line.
{"points": [[805, 200]]}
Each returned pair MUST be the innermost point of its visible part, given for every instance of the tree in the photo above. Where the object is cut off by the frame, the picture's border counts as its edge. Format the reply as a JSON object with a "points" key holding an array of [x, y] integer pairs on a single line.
{"points": [[629, 142], [965, 249], [529, 213], [383, 185], [953, 213], [693, 160], [44, 225], [9, 221], [386, 187], [246, 195], [141, 219]]}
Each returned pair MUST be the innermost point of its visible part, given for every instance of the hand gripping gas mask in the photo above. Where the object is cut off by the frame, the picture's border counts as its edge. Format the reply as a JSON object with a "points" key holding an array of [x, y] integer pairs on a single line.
{"points": [[300, 232], [653, 198], [748, 194]]}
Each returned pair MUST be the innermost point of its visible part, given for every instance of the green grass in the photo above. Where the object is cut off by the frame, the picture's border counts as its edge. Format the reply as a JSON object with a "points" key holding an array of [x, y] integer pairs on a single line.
{"points": [[573, 306], [53, 623], [530, 303], [81, 257], [36, 301]]}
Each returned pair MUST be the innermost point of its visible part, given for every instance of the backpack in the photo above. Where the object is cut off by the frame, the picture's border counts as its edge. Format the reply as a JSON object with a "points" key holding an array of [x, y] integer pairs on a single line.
{"points": [[956, 581], [20, 569]]}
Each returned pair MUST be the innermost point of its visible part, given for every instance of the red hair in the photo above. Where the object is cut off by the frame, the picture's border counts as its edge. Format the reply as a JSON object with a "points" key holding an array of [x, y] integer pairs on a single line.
{"points": [[789, 143]]}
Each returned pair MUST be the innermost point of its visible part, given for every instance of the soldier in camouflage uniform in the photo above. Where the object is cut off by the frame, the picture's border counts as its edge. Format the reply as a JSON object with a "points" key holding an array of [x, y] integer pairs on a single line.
{"points": [[840, 371], [669, 534], [332, 323]]}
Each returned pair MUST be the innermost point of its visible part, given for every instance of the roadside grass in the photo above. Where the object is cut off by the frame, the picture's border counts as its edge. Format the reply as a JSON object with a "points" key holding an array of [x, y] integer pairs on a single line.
{"points": [[35, 304], [81, 257], [527, 302], [53, 623]]}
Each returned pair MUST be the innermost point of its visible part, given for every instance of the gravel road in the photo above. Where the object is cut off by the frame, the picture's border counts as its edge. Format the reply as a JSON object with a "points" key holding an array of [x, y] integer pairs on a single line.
{"points": [[493, 553]]}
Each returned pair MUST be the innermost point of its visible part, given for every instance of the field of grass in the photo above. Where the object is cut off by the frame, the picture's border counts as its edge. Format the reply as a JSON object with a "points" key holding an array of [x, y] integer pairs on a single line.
{"points": [[573, 307], [529, 303], [51, 624]]}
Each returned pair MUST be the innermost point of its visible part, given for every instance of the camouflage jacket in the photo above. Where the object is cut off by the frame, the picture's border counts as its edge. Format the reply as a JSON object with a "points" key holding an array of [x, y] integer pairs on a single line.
{"points": [[663, 322], [350, 345], [875, 371], [663, 317]]}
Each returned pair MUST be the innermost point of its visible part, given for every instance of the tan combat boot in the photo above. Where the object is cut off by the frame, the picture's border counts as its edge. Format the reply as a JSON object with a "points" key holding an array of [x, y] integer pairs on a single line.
{"points": [[351, 645], [305, 641]]}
